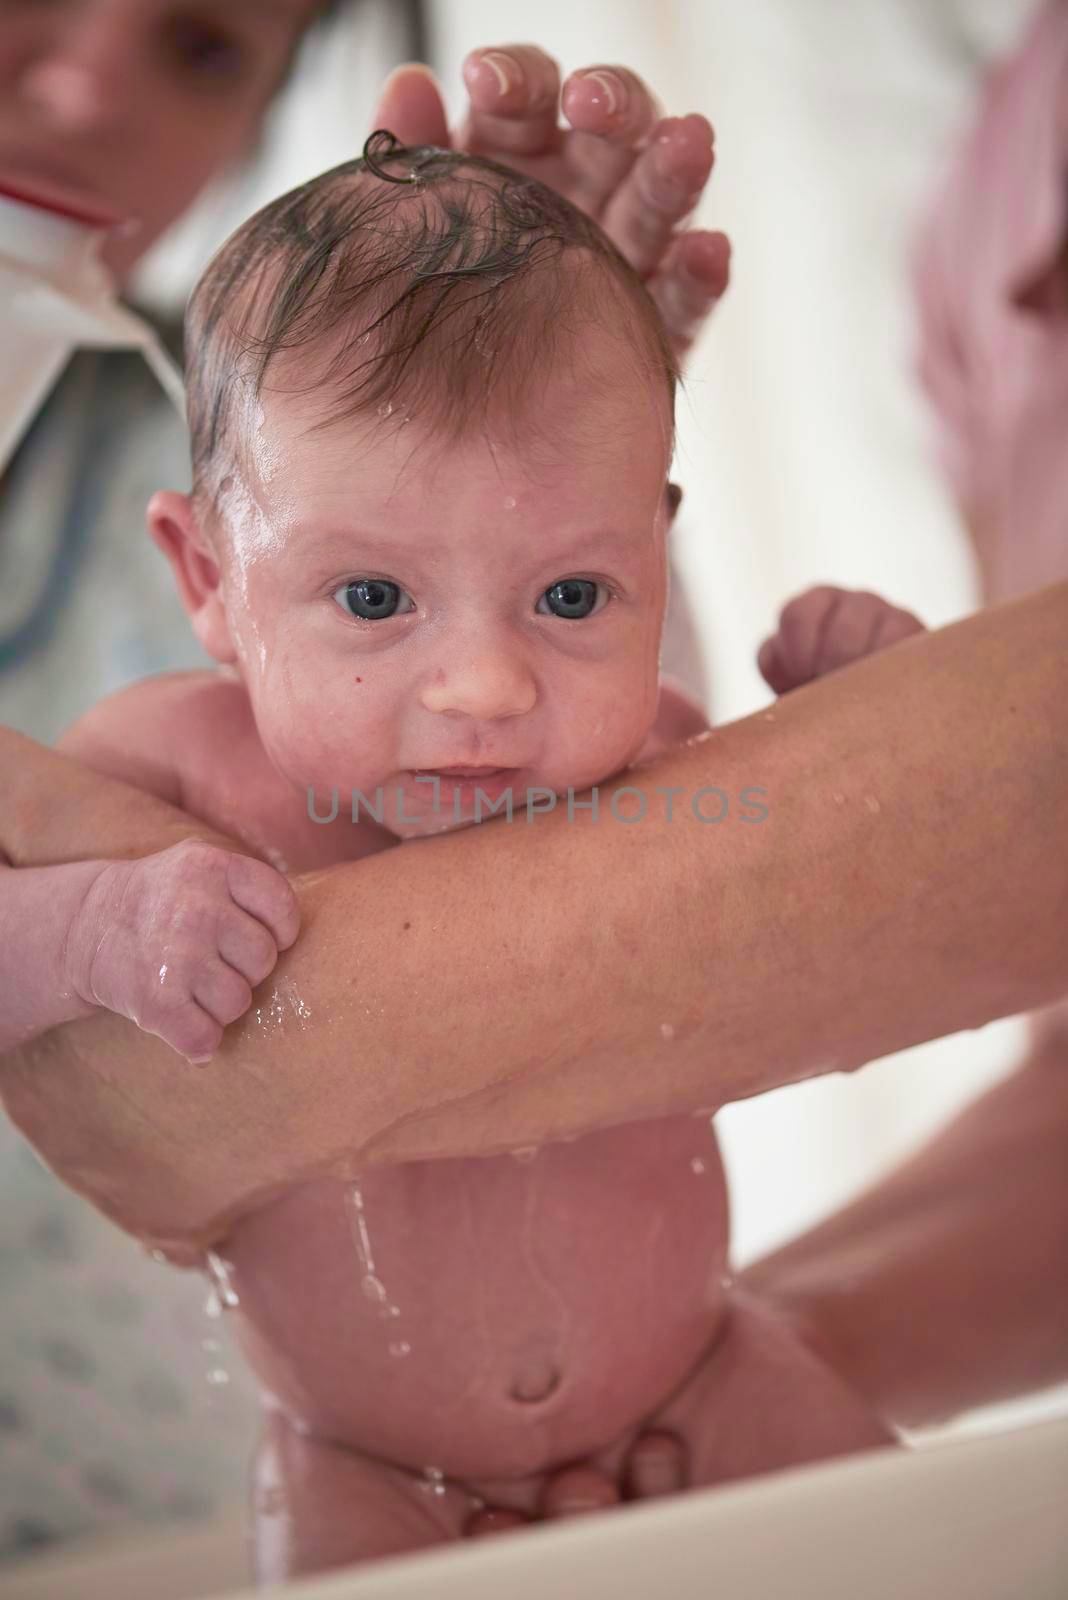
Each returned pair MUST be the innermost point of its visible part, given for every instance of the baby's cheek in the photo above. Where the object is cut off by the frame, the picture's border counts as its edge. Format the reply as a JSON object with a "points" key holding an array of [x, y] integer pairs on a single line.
{"points": [[330, 736], [607, 726]]}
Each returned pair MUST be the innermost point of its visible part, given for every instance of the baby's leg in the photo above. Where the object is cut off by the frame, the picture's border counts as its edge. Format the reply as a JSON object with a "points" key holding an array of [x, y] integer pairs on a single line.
{"points": [[761, 1400], [317, 1506]]}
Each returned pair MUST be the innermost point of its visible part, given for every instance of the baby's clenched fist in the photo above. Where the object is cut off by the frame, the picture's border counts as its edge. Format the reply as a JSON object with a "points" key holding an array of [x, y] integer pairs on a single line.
{"points": [[178, 941], [825, 628]]}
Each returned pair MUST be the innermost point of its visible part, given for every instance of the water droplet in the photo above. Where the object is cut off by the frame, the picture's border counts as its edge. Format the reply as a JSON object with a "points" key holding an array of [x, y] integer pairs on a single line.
{"points": [[871, 803], [386, 408], [667, 1031], [213, 1305], [433, 1481], [222, 1277], [697, 1165], [373, 1287], [163, 972], [839, 799], [217, 1377], [525, 1153], [509, 504], [400, 1347], [769, 716]]}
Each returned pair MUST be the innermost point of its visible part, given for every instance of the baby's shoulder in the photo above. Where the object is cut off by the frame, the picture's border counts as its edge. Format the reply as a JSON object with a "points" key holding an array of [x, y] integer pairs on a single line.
{"points": [[162, 731], [679, 716]]}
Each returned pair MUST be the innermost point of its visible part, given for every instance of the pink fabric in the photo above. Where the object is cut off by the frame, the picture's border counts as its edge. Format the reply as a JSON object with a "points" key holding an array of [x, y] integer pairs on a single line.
{"points": [[992, 288]]}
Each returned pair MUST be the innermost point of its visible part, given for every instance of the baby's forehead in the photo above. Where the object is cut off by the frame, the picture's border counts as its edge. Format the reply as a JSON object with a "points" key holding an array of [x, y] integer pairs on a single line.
{"points": [[579, 427], [463, 302]]}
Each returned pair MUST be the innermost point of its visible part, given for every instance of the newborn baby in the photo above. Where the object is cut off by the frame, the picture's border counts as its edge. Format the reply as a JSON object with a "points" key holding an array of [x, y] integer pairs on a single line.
{"points": [[432, 421]]}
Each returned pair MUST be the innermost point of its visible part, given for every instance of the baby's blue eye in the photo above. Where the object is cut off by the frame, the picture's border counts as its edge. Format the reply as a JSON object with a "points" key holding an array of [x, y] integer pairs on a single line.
{"points": [[572, 597], [371, 599]]}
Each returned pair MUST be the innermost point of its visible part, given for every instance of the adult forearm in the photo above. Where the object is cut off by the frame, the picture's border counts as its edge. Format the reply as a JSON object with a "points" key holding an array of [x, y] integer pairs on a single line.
{"points": [[512, 983], [946, 1285], [54, 809]]}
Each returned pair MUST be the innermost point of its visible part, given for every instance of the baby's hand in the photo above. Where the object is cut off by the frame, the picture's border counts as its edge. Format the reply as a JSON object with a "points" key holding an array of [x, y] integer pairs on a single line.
{"points": [[825, 628], [177, 941]]}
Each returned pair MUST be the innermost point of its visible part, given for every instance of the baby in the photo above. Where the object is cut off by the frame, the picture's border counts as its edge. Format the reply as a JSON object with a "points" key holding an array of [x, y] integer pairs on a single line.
{"points": [[432, 422]]}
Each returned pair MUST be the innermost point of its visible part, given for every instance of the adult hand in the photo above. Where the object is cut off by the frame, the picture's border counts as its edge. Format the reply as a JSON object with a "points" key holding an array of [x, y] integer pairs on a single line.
{"points": [[638, 173], [765, 1396], [654, 1465], [317, 1506]]}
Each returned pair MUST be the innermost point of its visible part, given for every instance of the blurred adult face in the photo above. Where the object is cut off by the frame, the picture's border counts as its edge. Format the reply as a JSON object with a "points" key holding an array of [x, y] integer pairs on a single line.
{"points": [[124, 109]]}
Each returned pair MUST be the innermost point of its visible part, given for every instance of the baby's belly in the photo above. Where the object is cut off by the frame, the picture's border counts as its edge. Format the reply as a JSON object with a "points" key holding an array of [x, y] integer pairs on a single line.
{"points": [[490, 1317]]}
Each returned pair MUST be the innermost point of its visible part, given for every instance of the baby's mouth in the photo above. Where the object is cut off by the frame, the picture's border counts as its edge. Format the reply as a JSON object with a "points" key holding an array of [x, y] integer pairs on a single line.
{"points": [[463, 783], [462, 772]]}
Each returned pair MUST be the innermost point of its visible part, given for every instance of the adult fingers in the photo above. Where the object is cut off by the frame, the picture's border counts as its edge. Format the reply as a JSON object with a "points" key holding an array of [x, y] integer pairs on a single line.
{"points": [[655, 1465], [661, 188], [410, 105], [493, 1519], [578, 1489], [689, 282], [612, 115], [514, 91]]}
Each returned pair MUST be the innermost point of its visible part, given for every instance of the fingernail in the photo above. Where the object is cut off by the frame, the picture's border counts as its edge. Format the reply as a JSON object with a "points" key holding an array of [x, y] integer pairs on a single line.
{"points": [[613, 94], [405, 68], [506, 72]]}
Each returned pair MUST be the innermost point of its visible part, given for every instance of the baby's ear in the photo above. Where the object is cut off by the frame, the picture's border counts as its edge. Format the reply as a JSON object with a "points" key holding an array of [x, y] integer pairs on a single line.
{"points": [[175, 528]]}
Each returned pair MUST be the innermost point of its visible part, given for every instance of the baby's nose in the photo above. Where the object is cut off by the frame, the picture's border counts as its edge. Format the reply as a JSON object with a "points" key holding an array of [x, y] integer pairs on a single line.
{"points": [[486, 686]]}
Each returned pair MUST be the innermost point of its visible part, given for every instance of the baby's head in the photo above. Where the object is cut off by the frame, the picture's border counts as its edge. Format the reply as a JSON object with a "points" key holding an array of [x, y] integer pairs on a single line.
{"points": [[432, 423]]}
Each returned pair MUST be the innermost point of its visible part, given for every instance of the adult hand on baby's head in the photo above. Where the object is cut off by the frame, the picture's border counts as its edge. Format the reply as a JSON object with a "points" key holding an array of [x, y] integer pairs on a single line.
{"points": [[639, 174], [177, 941]]}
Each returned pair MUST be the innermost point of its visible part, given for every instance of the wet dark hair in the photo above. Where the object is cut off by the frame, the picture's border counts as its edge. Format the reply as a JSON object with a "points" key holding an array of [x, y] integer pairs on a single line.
{"points": [[410, 279]]}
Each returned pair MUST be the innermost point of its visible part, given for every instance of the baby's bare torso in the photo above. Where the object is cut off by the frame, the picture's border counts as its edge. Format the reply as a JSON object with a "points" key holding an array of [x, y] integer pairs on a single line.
{"points": [[485, 1317]]}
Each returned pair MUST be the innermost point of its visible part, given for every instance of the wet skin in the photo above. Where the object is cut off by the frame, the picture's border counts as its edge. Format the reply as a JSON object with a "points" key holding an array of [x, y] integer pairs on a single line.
{"points": [[505, 1315], [484, 1321]]}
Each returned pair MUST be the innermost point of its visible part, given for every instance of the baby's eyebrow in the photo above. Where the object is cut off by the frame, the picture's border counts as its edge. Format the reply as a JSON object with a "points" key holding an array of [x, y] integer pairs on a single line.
{"points": [[412, 545], [357, 540]]}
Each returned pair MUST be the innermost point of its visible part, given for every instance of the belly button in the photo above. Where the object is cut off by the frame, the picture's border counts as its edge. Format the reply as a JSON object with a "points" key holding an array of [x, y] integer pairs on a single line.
{"points": [[535, 1382]]}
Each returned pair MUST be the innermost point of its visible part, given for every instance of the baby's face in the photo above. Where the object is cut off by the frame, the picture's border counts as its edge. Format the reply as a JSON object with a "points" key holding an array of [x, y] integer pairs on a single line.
{"points": [[398, 606]]}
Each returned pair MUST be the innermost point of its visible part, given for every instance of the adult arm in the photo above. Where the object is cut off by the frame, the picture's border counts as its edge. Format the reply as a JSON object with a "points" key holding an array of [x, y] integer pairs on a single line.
{"points": [[946, 1285], [512, 983]]}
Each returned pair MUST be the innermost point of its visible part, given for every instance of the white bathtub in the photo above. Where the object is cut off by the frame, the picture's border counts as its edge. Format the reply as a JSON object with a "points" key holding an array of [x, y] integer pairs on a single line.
{"points": [[981, 1518]]}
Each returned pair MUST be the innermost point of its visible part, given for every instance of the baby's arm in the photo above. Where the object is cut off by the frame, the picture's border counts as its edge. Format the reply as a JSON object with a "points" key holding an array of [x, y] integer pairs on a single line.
{"points": [[175, 941], [826, 628], [820, 630]]}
